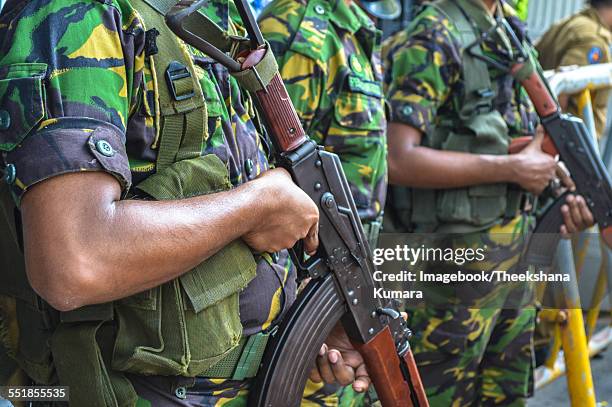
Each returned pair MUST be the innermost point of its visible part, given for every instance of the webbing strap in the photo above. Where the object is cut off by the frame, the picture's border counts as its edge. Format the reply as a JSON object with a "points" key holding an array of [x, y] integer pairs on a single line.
{"points": [[259, 76], [170, 141], [183, 127], [243, 361], [526, 70]]}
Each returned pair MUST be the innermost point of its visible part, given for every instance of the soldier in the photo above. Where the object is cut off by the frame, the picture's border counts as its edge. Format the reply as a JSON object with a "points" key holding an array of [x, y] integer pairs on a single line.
{"points": [[582, 39], [138, 211], [328, 52], [454, 113]]}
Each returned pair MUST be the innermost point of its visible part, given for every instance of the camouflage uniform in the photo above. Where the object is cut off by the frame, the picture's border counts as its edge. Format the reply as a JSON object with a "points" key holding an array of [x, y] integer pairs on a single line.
{"points": [[329, 57], [94, 62], [470, 350]]}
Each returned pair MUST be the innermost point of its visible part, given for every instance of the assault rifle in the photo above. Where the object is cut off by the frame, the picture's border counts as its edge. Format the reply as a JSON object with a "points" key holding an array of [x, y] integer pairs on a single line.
{"points": [[341, 286], [567, 137]]}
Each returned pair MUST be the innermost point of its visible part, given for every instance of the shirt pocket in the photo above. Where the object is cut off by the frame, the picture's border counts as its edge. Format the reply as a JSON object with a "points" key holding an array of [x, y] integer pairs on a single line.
{"points": [[360, 105], [21, 102]]}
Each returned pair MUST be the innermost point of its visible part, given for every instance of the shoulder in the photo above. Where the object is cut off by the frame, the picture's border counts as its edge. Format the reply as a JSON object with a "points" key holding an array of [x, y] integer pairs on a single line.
{"points": [[72, 10], [301, 26], [581, 25], [432, 19], [63, 19], [430, 31]]}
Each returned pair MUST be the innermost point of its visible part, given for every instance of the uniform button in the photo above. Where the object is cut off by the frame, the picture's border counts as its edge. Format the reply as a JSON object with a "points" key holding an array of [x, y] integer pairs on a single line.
{"points": [[10, 174], [319, 9], [407, 110], [181, 393], [105, 148], [5, 120], [248, 167], [355, 64]]}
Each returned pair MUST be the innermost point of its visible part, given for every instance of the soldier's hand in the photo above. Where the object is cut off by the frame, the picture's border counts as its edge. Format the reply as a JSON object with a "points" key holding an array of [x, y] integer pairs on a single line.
{"points": [[533, 169], [576, 215], [339, 362], [565, 178], [286, 216]]}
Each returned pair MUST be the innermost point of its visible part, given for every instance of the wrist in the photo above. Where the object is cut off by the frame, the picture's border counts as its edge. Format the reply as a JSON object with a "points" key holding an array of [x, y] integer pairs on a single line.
{"points": [[506, 166], [260, 203]]}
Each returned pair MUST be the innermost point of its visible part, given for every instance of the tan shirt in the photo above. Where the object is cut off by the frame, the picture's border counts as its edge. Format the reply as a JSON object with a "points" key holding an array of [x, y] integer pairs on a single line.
{"points": [[581, 39]]}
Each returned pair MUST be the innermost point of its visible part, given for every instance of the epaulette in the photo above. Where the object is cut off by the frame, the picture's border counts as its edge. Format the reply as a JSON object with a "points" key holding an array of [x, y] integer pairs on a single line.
{"points": [[309, 39]]}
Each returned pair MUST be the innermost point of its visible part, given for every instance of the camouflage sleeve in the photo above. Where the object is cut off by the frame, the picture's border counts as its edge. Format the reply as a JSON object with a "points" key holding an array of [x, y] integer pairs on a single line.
{"points": [[68, 75], [423, 65], [304, 76]]}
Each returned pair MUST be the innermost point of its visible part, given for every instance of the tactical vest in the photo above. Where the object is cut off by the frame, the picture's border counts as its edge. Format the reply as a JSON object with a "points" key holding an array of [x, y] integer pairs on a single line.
{"points": [[474, 126], [183, 327]]}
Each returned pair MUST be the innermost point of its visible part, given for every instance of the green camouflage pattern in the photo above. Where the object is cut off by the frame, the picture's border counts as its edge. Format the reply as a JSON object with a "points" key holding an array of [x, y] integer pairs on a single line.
{"points": [[423, 74], [73, 73], [469, 348], [476, 343], [203, 392], [329, 57]]}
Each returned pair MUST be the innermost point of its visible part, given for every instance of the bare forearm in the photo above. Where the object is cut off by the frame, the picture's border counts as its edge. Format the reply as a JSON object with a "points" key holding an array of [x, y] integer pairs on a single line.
{"points": [[158, 241], [125, 247], [421, 167]]}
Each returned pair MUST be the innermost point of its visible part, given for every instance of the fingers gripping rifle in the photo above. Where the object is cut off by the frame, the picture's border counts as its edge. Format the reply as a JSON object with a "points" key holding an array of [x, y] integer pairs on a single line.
{"points": [[567, 137], [342, 286]]}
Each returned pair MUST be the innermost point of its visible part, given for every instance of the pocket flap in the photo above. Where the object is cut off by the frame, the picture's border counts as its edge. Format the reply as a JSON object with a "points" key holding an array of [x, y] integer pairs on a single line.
{"points": [[491, 133], [362, 106], [228, 271], [21, 102]]}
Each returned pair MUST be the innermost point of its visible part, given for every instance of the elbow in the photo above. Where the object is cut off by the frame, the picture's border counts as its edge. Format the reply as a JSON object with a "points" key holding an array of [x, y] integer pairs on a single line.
{"points": [[394, 170], [403, 144], [66, 283], [399, 167]]}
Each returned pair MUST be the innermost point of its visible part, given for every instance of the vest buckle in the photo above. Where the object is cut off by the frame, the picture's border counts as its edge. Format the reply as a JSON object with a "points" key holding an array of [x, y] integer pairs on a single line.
{"points": [[179, 81]]}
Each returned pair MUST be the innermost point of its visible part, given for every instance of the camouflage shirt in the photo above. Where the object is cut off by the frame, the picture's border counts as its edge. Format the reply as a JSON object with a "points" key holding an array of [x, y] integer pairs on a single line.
{"points": [[423, 73], [68, 68], [329, 56]]}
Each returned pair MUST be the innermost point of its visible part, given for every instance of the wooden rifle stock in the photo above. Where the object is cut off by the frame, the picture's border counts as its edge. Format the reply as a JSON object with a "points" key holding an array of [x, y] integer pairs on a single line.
{"points": [[383, 365], [518, 144], [277, 109]]}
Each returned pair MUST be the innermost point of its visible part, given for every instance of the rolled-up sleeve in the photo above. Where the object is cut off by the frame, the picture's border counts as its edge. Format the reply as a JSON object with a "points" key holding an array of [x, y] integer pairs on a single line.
{"points": [[70, 116], [51, 152], [422, 66]]}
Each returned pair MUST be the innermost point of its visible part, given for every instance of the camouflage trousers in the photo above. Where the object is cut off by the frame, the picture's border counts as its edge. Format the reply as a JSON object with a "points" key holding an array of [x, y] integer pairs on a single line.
{"points": [[474, 345], [204, 392]]}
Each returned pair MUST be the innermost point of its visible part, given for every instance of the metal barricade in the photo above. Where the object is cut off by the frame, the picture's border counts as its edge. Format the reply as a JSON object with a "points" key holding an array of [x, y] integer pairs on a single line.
{"points": [[574, 339]]}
